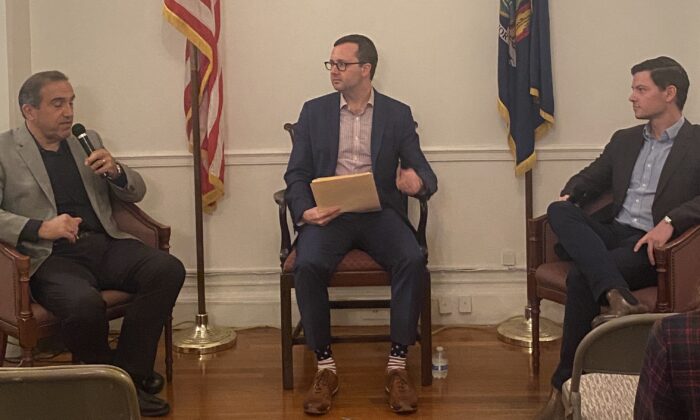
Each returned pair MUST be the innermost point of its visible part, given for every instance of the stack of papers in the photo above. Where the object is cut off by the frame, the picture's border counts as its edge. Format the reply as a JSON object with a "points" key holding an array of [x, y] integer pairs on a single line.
{"points": [[355, 193]]}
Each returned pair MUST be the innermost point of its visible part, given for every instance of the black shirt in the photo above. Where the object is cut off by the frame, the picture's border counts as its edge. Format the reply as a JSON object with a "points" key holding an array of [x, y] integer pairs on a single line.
{"points": [[68, 189], [69, 193]]}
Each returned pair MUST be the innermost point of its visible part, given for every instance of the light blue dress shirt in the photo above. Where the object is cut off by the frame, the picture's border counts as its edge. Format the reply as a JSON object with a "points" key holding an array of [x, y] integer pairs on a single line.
{"points": [[636, 209]]}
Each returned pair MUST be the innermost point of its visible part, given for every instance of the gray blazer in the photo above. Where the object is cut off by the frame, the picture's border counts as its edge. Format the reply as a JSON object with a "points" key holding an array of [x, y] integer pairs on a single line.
{"points": [[26, 193]]}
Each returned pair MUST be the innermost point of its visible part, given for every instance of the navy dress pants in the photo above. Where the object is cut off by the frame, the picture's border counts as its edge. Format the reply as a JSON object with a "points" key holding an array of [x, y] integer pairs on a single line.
{"points": [[387, 238], [603, 259]]}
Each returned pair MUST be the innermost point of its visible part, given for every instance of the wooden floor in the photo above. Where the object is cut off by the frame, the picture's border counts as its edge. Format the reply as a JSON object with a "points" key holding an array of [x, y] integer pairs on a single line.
{"points": [[487, 379]]}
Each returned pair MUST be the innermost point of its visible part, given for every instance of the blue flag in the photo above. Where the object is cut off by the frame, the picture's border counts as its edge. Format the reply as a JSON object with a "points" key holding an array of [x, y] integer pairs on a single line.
{"points": [[525, 97]]}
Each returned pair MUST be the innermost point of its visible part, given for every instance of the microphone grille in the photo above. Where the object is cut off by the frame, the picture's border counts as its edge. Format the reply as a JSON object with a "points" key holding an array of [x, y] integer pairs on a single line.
{"points": [[78, 129]]}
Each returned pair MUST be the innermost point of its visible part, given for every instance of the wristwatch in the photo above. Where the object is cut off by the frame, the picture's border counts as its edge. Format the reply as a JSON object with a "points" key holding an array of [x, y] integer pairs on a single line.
{"points": [[120, 171], [668, 220]]}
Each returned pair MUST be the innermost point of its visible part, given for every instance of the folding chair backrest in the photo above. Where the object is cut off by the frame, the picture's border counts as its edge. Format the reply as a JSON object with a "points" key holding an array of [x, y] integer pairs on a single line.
{"points": [[68, 392], [617, 346]]}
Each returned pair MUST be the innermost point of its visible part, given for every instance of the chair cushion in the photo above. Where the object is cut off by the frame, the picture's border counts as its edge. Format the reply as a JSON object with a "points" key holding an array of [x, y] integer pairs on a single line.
{"points": [[116, 302], [552, 276], [116, 297], [355, 260], [43, 316], [604, 396]]}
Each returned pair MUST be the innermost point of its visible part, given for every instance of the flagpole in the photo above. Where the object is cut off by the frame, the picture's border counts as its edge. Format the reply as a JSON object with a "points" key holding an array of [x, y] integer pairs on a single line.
{"points": [[203, 338], [518, 329]]}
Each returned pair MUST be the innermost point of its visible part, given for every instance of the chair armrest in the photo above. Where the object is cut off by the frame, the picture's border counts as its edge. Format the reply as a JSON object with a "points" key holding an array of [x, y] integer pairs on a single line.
{"points": [[540, 242], [14, 285], [136, 222], [422, 224], [285, 237], [678, 265], [286, 241]]}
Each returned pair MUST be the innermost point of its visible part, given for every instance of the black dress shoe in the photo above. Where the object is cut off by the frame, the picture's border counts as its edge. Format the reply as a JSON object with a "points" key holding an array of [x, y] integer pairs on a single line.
{"points": [[153, 384], [150, 405]]}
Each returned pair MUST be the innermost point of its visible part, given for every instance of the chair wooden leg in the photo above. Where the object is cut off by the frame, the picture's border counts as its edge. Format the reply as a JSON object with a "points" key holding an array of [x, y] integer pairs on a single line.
{"points": [[535, 317], [169, 349], [3, 348], [27, 359], [426, 333], [286, 332]]}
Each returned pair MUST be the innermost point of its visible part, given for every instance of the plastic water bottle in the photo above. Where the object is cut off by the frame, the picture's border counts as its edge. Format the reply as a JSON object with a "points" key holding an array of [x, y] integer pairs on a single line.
{"points": [[439, 363]]}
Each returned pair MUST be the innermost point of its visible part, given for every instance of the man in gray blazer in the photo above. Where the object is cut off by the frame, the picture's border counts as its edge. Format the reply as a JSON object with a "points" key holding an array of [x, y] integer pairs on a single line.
{"points": [[652, 171], [55, 208]]}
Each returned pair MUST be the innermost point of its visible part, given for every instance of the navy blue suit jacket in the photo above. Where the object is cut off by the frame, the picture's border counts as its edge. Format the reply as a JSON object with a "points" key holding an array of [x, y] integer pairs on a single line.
{"points": [[315, 151]]}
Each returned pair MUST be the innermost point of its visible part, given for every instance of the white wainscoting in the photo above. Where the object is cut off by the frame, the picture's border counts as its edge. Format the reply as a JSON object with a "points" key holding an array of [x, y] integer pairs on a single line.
{"points": [[247, 294]]}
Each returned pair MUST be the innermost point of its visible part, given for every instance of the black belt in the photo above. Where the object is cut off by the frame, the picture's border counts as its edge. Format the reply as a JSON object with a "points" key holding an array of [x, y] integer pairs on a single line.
{"points": [[84, 234]]}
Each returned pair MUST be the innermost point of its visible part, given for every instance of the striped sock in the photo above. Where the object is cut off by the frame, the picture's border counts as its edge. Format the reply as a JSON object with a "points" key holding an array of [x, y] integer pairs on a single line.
{"points": [[397, 356], [324, 359]]}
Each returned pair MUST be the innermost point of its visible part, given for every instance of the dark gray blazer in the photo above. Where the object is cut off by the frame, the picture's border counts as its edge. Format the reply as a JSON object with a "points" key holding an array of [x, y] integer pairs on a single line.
{"points": [[678, 192]]}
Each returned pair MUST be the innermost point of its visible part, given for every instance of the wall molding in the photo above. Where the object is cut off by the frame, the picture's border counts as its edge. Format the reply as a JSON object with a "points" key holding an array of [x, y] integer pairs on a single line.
{"points": [[276, 157], [250, 297], [262, 284]]}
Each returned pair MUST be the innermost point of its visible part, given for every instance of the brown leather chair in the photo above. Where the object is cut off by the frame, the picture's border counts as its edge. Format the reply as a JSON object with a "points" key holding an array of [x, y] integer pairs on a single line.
{"points": [[28, 321], [677, 267], [356, 269]]}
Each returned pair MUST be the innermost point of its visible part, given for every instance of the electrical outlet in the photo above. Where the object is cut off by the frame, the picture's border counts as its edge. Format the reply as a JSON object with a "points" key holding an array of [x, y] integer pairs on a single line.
{"points": [[464, 304], [445, 305], [508, 258]]}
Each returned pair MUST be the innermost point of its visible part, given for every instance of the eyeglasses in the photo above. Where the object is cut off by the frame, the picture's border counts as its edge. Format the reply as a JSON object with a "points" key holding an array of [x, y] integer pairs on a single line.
{"points": [[341, 66]]}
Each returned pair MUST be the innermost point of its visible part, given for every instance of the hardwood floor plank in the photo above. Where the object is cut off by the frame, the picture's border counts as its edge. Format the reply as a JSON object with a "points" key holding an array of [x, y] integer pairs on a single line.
{"points": [[487, 379]]}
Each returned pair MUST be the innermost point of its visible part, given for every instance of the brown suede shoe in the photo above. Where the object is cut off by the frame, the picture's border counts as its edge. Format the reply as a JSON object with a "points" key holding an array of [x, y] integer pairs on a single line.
{"points": [[618, 306], [554, 410], [402, 395], [318, 398]]}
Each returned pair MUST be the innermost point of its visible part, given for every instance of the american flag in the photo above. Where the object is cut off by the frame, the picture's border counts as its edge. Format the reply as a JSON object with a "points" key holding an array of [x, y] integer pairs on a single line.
{"points": [[200, 22]]}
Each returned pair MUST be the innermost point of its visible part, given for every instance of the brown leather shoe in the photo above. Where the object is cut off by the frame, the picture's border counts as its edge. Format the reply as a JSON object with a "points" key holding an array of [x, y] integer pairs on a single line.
{"points": [[318, 398], [618, 306], [402, 394], [554, 410]]}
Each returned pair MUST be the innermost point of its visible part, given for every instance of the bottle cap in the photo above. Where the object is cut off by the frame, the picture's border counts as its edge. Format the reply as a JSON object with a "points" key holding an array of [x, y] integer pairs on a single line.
{"points": [[439, 348]]}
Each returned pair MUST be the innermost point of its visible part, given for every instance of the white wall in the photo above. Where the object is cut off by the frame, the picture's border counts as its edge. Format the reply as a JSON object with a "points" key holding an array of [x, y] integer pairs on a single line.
{"points": [[126, 65], [4, 81], [15, 53]]}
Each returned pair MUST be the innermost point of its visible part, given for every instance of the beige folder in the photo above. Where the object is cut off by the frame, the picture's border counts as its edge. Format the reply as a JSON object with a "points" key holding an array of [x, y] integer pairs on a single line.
{"points": [[352, 193]]}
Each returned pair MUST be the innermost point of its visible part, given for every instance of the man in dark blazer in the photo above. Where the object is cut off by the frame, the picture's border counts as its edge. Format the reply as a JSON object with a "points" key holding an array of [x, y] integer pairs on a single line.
{"points": [[652, 171], [354, 130], [55, 208]]}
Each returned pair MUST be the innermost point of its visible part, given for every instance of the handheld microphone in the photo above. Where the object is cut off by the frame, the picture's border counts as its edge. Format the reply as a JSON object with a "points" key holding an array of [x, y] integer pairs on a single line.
{"points": [[80, 133]]}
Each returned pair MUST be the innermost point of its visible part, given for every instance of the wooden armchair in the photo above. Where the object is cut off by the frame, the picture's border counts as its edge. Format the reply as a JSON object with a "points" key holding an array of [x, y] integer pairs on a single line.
{"points": [[677, 267], [28, 321], [356, 269]]}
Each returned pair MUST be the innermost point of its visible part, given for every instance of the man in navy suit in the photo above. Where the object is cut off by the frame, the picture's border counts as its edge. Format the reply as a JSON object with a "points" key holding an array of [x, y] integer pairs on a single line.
{"points": [[652, 171], [354, 130]]}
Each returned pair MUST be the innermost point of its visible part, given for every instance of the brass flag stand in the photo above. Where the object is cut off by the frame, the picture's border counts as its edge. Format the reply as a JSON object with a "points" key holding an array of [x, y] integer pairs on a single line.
{"points": [[518, 329], [203, 338]]}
